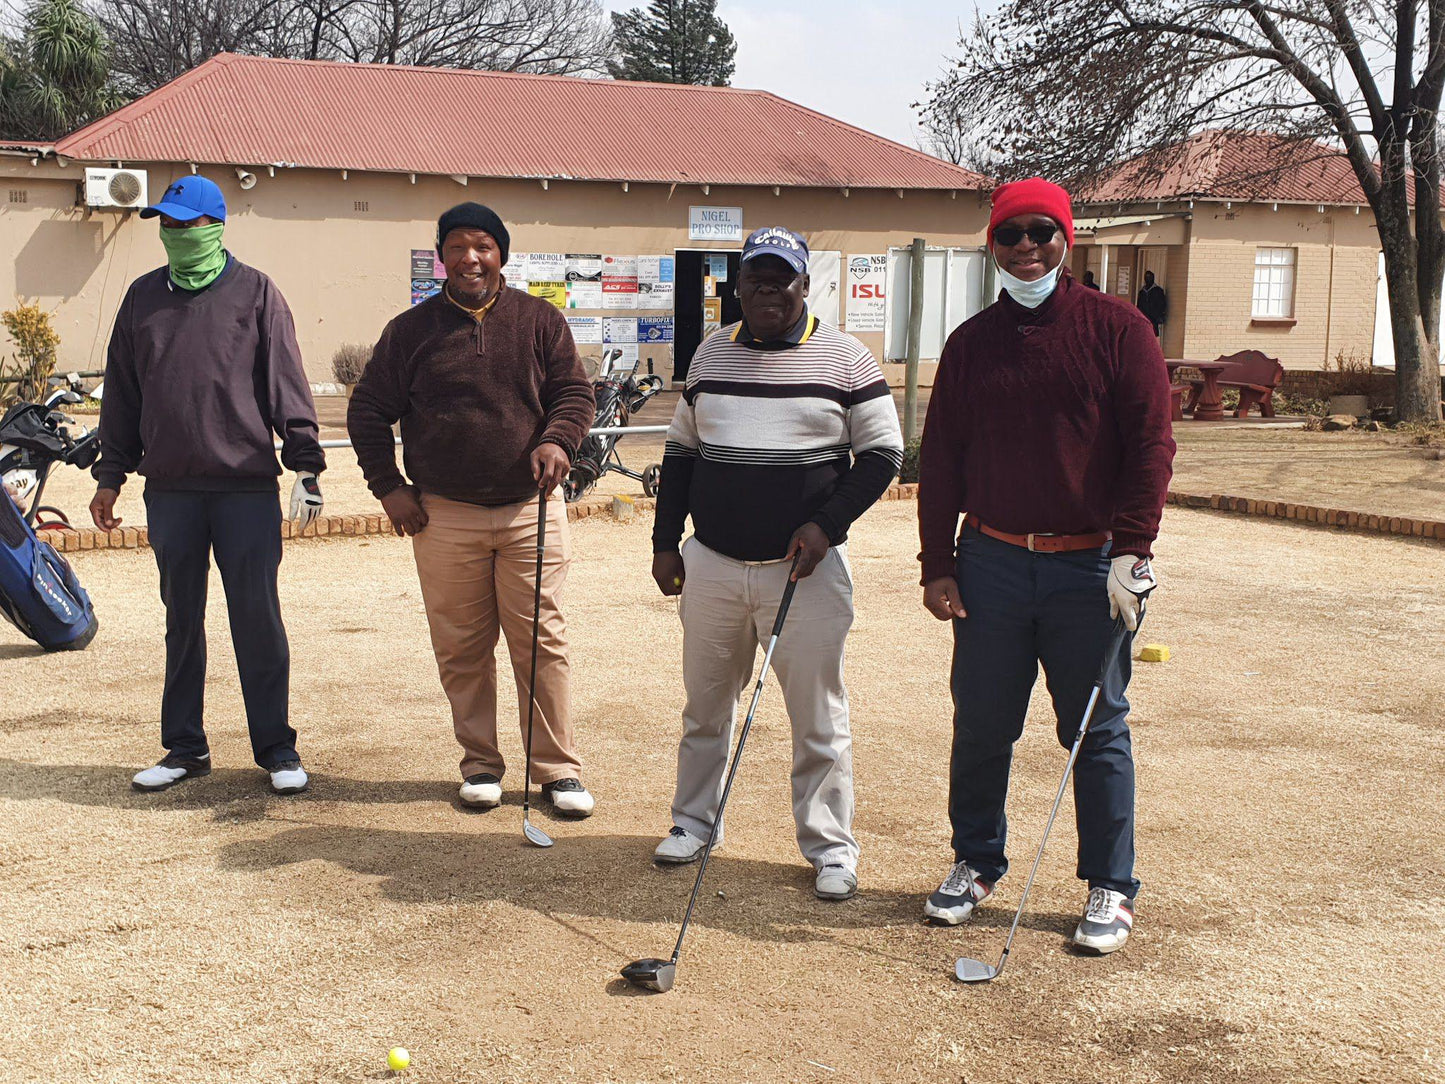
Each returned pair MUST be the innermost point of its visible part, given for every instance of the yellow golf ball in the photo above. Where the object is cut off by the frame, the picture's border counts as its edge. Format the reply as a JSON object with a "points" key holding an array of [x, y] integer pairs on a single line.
{"points": [[677, 581], [397, 1058]]}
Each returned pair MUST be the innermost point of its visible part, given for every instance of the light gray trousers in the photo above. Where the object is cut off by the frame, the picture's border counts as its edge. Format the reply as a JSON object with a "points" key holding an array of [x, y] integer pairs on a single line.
{"points": [[727, 609]]}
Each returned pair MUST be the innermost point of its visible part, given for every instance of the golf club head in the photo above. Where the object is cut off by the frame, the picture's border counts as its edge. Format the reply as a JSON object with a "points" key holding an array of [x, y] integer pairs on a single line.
{"points": [[535, 835], [651, 974], [966, 970]]}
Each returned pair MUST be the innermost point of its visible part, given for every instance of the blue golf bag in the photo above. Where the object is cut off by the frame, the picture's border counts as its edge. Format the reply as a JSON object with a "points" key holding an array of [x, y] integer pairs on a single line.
{"points": [[39, 593]]}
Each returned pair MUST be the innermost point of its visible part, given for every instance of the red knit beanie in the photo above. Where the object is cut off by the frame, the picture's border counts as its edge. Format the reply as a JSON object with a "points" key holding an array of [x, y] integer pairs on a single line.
{"points": [[1034, 196]]}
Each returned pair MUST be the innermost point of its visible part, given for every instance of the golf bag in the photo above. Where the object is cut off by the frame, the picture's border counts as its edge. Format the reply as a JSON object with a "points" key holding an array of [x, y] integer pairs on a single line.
{"points": [[39, 593], [34, 437], [619, 394]]}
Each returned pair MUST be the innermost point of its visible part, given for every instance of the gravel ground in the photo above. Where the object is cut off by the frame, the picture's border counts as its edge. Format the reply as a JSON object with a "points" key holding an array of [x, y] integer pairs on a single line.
{"points": [[1289, 755]]}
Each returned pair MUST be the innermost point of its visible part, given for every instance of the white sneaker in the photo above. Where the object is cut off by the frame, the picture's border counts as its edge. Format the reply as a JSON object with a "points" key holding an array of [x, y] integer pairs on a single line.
{"points": [[289, 778], [1108, 920], [959, 895], [170, 771], [569, 797], [679, 848], [835, 882], [483, 790]]}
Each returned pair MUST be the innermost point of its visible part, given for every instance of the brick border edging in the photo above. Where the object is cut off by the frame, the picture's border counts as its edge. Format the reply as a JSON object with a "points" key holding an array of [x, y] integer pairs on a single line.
{"points": [[90, 538]]}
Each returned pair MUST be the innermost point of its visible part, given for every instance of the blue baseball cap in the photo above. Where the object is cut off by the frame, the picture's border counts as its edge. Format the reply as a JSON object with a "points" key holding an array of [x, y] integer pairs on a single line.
{"points": [[189, 198], [777, 241]]}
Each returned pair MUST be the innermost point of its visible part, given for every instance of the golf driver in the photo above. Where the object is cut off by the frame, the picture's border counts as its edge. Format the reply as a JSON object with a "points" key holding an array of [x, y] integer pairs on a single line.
{"points": [[968, 970], [659, 975], [534, 834]]}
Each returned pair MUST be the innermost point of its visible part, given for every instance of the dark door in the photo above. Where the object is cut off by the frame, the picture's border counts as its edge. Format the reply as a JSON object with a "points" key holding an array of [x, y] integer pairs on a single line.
{"points": [[691, 269]]}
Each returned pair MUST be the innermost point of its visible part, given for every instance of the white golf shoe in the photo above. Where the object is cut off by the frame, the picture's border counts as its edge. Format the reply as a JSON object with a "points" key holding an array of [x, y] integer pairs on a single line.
{"points": [[569, 798], [482, 791], [679, 848], [170, 771], [289, 777]]}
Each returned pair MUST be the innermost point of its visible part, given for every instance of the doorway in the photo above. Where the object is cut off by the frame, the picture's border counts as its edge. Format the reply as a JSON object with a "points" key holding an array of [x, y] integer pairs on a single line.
{"points": [[698, 283]]}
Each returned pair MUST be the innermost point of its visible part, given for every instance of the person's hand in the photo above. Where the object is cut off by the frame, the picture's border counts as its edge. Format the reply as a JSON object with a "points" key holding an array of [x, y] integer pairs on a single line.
{"points": [[941, 599], [812, 543], [404, 510], [1130, 581], [667, 570], [306, 502], [102, 509], [549, 466]]}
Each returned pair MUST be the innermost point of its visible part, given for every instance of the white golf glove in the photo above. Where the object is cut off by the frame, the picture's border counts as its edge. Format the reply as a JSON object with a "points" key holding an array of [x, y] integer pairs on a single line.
{"points": [[306, 503], [1130, 581]]}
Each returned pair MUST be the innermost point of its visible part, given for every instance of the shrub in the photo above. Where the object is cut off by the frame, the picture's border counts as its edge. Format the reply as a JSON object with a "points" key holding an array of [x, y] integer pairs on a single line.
{"points": [[1350, 374], [348, 362], [909, 471], [25, 375]]}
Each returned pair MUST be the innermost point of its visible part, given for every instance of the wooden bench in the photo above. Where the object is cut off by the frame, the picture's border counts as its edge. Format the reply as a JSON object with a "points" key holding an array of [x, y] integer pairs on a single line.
{"points": [[1254, 374], [1176, 401]]}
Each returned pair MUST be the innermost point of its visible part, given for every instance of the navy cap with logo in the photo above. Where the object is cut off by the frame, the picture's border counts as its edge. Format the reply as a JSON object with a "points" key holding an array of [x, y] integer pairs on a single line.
{"points": [[189, 198], [777, 241]]}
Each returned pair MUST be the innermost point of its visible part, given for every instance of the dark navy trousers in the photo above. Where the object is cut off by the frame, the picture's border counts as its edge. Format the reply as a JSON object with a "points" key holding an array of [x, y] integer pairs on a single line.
{"points": [[1025, 609], [244, 531]]}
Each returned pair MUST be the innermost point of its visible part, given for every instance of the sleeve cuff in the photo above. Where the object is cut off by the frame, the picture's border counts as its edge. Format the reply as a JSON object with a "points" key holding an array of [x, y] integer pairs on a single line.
{"points": [[109, 479], [1131, 543], [382, 486], [829, 527], [936, 566]]}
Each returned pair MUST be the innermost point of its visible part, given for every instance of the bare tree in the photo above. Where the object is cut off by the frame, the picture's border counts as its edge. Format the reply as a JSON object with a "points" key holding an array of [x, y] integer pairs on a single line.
{"points": [[158, 40], [1066, 88]]}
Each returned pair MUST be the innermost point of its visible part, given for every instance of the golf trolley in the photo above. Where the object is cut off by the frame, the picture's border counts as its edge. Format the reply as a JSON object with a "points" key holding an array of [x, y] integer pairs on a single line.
{"points": [[619, 395], [34, 437]]}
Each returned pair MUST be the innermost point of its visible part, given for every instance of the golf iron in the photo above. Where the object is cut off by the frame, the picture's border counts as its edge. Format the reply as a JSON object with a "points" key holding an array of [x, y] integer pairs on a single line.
{"points": [[657, 974], [969, 970], [534, 834]]}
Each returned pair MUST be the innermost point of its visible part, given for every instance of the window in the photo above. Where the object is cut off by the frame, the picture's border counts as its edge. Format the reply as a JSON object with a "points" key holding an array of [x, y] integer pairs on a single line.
{"points": [[19, 195], [1273, 283], [361, 205]]}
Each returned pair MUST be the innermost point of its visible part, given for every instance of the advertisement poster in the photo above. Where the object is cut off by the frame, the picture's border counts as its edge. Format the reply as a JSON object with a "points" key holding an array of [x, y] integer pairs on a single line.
{"points": [[426, 273], [654, 329], [619, 282], [585, 329], [555, 292], [582, 294], [619, 357], [717, 267], [655, 282], [584, 267], [711, 315], [516, 270], [867, 296], [619, 329], [546, 267]]}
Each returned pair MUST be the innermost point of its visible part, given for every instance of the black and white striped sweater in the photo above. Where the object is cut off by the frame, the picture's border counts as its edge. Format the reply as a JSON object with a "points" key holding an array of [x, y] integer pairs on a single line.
{"points": [[770, 436]]}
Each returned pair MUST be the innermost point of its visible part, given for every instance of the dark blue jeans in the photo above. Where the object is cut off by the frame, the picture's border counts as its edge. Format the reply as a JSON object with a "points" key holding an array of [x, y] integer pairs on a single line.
{"points": [[1025, 609], [244, 530]]}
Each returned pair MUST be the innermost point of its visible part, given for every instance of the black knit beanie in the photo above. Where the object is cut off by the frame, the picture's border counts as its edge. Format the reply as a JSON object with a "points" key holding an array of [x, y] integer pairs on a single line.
{"points": [[476, 217]]}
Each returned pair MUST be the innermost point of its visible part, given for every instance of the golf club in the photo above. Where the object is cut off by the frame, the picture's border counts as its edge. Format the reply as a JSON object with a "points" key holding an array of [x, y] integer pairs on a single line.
{"points": [[657, 974], [969, 970], [534, 834]]}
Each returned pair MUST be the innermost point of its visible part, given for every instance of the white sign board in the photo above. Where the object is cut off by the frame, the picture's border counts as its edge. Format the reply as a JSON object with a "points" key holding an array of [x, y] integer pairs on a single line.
{"points": [[585, 329], [824, 291], [715, 224], [867, 291]]}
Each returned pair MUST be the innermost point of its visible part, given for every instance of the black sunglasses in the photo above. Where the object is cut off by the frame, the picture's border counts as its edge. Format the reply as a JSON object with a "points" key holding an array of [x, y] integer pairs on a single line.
{"points": [[1008, 236]]}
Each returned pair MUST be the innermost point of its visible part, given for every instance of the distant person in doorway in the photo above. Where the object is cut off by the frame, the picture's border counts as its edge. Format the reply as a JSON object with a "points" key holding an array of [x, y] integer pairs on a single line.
{"points": [[1089, 280], [1153, 302]]}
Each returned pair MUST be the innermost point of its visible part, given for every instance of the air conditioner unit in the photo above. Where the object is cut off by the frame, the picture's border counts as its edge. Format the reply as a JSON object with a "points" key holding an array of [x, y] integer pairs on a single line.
{"points": [[124, 189]]}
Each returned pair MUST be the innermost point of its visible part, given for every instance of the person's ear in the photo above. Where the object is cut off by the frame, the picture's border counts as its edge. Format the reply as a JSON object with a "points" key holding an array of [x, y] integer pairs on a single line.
{"points": [[807, 281]]}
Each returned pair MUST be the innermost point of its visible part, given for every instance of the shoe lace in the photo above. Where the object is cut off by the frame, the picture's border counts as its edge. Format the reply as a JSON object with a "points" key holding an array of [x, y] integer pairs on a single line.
{"points": [[959, 880], [677, 830], [1103, 905]]}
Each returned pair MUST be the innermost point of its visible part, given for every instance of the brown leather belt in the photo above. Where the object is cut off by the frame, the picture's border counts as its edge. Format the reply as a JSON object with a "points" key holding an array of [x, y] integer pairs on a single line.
{"points": [[1045, 543]]}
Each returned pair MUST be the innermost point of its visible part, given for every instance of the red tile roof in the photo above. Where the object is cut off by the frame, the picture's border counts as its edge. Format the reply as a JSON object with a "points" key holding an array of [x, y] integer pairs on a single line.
{"points": [[1237, 165], [251, 111]]}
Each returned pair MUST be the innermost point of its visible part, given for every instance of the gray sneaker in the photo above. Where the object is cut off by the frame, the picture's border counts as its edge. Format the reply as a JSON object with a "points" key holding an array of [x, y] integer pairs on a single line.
{"points": [[1108, 919], [835, 881]]}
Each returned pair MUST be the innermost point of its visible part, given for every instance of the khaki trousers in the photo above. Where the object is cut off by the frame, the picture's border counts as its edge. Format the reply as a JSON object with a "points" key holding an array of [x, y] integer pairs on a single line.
{"points": [[477, 567], [727, 609]]}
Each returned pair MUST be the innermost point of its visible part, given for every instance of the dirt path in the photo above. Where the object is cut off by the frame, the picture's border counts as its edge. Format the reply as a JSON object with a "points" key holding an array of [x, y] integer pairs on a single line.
{"points": [[1290, 759]]}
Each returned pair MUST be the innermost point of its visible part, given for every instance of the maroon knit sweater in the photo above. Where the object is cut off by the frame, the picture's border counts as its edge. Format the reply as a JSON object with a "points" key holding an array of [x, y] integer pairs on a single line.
{"points": [[1050, 420]]}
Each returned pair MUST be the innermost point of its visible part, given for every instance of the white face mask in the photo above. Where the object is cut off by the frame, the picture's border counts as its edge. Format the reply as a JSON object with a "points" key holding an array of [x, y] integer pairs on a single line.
{"points": [[1032, 294]]}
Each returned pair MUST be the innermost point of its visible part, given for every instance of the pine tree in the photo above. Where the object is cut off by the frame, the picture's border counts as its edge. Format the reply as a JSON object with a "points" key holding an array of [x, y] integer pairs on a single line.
{"points": [[673, 41], [56, 76]]}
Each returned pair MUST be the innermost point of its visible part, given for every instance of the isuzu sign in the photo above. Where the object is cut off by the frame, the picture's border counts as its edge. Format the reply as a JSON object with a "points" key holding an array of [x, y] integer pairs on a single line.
{"points": [[715, 224]]}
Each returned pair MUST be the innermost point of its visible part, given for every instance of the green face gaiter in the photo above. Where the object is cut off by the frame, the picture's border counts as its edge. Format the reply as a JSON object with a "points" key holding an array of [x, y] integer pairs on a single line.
{"points": [[195, 255]]}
